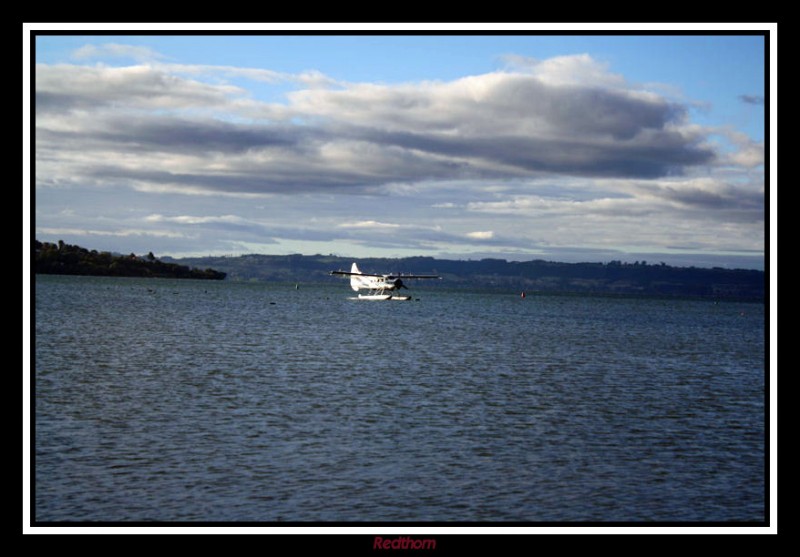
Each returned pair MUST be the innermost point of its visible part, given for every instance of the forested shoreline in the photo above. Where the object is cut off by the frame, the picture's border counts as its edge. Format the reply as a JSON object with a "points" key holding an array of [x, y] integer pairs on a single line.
{"points": [[608, 278], [66, 259]]}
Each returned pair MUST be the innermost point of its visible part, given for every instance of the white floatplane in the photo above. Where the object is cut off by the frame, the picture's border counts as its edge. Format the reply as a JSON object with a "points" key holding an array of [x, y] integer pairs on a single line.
{"points": [[379, 287]]}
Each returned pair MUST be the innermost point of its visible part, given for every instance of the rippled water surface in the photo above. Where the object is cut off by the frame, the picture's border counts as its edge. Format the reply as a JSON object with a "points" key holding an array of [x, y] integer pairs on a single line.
{"points": [[217, 401]]}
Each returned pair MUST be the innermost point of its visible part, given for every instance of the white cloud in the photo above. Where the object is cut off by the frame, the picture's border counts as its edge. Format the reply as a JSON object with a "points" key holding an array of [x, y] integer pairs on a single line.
{"points": [[695, 198], [748, 153], [114, 50], [310, 78], [511, 143], [124, 232], [188, 219], [577, 69], [542, 104], [496, 125], [62, 88], [144, 54], [371, 224]]}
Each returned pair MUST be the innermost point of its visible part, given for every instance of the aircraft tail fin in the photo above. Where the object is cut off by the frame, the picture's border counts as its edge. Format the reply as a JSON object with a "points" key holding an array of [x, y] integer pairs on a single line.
{"points": [[355, 281]]}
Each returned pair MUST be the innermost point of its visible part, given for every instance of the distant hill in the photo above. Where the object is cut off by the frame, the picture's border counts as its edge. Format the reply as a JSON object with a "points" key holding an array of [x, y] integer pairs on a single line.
{"points": [[615, 277], [65, 259]]}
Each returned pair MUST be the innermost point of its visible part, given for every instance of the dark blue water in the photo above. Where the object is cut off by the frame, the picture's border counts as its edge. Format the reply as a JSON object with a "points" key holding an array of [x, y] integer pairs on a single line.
{"points": [[217, 401]]}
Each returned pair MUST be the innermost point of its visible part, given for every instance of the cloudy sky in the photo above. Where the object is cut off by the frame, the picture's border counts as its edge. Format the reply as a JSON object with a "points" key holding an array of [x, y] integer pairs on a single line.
{"points": [[574, 148]]}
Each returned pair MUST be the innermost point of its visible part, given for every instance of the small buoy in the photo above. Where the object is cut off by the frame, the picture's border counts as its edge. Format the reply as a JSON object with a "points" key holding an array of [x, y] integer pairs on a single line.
{"points": [[522, 295]]}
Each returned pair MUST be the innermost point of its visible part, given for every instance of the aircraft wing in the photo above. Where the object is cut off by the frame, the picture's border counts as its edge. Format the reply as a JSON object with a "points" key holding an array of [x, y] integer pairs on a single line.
{"points": [[415, 276], [356, 274], [386, 276]]}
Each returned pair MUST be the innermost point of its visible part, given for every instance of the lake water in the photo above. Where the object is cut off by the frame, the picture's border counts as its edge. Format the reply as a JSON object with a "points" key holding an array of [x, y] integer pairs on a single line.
{"points": [[161, 400]]}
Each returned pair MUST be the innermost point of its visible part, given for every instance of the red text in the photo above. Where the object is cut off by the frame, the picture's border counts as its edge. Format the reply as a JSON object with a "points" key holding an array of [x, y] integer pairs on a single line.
{"points": [[403, 542]]}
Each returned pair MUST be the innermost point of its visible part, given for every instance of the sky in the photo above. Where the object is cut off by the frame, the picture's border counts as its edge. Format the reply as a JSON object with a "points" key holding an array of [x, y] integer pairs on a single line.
{"points": [[565, 148]]}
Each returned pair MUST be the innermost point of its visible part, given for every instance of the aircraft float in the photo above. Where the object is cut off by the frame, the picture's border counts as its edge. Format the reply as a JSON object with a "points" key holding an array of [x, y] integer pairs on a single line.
{"points": [[379, 287]]}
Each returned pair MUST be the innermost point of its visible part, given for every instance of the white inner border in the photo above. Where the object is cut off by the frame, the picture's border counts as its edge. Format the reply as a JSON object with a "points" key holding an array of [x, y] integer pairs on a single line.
{"points": [[401, 27]]}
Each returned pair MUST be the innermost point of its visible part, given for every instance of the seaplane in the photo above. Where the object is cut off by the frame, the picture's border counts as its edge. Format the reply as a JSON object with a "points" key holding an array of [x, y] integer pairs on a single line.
{"points": [[379, 287]]}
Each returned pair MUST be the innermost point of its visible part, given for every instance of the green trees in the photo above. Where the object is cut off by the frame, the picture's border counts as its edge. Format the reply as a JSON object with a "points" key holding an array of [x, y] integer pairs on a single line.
{"points": [[65, 259]]}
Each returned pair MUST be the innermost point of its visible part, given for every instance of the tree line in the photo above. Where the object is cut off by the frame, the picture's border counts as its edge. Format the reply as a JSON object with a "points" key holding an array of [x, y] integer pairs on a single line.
{"points": [[66, 259], [613, 277]]}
